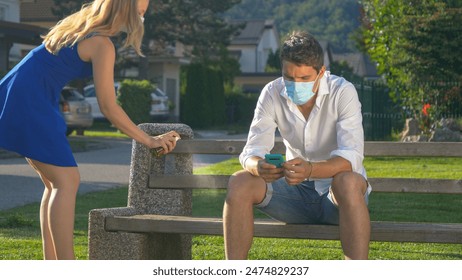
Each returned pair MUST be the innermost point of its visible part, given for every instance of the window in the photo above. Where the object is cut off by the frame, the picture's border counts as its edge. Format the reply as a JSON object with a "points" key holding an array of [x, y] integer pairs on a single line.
{"points": [[2, 13]]}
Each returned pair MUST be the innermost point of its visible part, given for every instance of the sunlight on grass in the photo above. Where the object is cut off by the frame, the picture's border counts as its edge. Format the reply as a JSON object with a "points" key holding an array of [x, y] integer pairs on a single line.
{"points": [[383, 207], [377, 167], [414, 167], [114, 134], [211, 248], [20, 232]]}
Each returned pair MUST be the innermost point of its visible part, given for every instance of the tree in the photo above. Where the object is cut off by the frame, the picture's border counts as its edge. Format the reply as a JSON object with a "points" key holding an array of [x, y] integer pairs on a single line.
{"points": [[416, 45], [63, 8], [195, 23], [273, 64], [203, 100], [198, 25], [342, 69], [333, 20]]}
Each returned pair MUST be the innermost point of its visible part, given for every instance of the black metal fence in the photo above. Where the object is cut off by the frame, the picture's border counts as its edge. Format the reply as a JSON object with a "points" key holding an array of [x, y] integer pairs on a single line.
{"points": [[382, 117]]}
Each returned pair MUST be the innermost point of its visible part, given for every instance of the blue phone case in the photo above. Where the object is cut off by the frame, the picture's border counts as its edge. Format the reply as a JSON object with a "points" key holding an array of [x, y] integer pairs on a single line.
{"points": [[276, 159]]}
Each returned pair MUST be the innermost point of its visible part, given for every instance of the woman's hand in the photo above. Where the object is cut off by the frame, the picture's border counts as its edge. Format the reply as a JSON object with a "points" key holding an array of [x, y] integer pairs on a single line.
{"points": [[166, 141]]}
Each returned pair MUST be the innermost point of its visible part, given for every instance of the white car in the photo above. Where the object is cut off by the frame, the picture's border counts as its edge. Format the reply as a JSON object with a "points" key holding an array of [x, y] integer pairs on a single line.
{"points": [[75, 110], [159, 103], [90, 96]]}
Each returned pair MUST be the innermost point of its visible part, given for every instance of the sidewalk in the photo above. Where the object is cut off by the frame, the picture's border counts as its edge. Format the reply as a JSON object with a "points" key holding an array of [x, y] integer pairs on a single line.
{"points": [[105, 165]]}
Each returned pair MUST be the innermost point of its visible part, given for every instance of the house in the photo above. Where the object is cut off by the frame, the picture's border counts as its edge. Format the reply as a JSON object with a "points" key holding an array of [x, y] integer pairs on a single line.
{"points": [[254, 43], [38, 13], [360, 63], [15, 36], [251, 47], [163, 69]]}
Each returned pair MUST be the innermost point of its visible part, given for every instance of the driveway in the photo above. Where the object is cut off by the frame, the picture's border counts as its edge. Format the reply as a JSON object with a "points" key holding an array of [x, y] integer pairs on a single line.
{"points": [[105, 167], [101, 168]]}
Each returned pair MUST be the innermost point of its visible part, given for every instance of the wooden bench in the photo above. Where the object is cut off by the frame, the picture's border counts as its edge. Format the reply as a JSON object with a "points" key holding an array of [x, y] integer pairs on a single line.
{"points": [[170, 229]]}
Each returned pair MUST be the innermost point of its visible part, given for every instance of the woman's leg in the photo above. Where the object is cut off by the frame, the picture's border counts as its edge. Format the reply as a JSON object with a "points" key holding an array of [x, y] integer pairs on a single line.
{"points": [[58, 209], [49, 251]]}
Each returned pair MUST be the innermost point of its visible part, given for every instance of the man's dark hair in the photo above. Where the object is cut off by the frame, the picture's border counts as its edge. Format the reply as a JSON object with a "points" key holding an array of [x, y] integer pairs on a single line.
{"points": [[302, 48]]}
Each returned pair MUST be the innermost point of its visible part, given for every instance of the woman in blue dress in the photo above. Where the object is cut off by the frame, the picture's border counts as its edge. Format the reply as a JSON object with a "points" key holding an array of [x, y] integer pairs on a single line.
{"points": [[31, 124]]}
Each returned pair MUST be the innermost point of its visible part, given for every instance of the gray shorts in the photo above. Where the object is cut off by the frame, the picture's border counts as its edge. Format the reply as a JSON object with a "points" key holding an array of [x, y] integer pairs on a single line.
{"points": [[299, 204]]}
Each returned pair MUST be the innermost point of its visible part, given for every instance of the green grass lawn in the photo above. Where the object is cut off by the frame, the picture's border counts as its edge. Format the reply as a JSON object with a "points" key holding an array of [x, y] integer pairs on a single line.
{"points": [[102, 128], [20, 234]]}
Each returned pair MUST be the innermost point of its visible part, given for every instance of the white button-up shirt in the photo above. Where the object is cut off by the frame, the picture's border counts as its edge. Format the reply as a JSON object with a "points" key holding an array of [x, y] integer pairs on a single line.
{"points": [[333, 129]]}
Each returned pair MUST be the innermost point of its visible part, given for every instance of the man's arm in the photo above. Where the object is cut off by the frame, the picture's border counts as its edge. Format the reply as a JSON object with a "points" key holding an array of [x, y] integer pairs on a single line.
{"points": [[298, 170]]}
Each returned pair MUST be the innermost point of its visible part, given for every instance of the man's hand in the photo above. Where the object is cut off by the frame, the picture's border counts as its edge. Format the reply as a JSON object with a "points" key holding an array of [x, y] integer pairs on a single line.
{"points": [[268, 171], [297, 170]]}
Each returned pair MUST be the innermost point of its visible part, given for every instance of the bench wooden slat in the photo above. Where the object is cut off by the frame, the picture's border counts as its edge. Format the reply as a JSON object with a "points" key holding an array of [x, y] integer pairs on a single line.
{"points": [[418, 149], [411, 185], [188, 181], [371, 148], [381, 231], [209, 146], [378, 184]]}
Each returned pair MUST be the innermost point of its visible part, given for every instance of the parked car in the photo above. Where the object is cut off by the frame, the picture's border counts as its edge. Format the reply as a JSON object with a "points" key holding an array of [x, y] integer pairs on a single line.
{"points": [[76, 110], [159, 103], [89, 93]]}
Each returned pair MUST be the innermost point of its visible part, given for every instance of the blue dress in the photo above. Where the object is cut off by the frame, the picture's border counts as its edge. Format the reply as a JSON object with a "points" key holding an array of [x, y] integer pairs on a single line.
{"points": [[31, 123]]}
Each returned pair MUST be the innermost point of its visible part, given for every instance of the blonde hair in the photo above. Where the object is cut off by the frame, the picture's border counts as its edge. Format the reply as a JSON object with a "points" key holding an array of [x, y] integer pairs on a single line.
{"points": [[105, 17]]}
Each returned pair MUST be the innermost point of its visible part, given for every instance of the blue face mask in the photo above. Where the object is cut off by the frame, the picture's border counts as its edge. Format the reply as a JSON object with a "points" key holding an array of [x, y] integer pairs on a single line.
{"points": [[299, 92]]}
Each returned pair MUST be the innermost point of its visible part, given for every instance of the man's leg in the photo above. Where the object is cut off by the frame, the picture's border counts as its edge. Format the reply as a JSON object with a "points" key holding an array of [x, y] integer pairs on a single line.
{"points": [[348, 190], [244, 191]]}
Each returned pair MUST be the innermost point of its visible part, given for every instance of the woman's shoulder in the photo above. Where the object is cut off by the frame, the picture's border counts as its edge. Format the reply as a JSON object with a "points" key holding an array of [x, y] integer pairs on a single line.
{"points": [[95, 46], [96, 36]]}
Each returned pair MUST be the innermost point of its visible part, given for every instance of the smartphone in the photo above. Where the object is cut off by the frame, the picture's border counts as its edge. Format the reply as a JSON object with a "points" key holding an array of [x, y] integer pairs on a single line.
{"points": [[275, 159], [157, 152]]}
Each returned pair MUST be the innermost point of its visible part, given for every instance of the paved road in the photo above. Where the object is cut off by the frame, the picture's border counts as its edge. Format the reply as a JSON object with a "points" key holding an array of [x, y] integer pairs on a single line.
{"points": [[100, 169]]}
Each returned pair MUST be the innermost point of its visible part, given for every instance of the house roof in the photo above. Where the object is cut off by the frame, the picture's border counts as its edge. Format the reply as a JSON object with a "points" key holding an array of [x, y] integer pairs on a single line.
{"points": [[252, 32], [36, 11], [21, 33], [359, 62]]}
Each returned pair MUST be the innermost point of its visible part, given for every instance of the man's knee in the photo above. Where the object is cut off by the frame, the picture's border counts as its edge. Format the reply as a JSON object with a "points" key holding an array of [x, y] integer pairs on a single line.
{"points": [[347, 186], [244, 187]]}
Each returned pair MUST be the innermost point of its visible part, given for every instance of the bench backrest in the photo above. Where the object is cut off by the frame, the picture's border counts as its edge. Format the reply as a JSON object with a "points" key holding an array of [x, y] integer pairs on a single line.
{"points": [[234, 147], [162, 185]]}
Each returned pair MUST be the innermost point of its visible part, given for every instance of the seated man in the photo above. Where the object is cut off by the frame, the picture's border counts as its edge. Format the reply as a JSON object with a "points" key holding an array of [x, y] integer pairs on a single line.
{"points": [[323, 180]]}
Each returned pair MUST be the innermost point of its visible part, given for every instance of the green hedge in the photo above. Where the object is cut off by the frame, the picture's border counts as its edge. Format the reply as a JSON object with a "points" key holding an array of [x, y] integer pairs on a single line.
{"points": [[134, 97], [240, 107], [207, 102], [203, 103]]}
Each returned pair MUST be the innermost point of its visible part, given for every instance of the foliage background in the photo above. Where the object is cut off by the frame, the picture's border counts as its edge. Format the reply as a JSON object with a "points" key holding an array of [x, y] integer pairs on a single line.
{"points": [[334, 21], [416, 45], [135, 99]]}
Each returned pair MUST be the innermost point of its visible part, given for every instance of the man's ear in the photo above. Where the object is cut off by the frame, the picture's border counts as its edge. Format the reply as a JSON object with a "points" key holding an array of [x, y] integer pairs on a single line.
{"points": [[318, 79]]}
